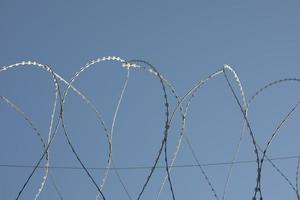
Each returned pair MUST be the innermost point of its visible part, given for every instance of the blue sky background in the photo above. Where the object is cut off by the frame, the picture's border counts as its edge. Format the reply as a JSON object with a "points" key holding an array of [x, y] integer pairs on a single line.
{"points": [[185, 41]]}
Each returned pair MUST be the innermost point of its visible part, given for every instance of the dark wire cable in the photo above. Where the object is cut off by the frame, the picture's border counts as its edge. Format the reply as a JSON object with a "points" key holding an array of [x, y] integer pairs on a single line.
{"points": [[149, 167]]}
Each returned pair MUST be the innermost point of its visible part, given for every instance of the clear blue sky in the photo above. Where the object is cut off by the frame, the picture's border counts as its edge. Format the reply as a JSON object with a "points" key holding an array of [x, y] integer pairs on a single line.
{"points": [[185, 42]]}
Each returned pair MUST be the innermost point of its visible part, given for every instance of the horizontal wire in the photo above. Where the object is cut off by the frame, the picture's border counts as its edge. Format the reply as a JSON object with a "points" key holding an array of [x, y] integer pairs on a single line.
{"points": [[149, 167]]}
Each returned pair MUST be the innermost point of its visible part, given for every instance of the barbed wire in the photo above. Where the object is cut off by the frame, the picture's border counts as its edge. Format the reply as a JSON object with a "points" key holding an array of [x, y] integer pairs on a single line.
{"points": [[182, 107]]}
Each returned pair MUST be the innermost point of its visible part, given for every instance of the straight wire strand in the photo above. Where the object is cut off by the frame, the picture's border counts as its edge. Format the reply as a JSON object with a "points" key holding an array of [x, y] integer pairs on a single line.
{"points": [[140, 167]]}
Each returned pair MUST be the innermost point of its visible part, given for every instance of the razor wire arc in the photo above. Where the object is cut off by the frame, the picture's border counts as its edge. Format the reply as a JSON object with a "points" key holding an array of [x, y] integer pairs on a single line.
{"points": [[244, 109], [50, 134], [183, 109], [284, 120], [127, 65], [260, 160]]}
